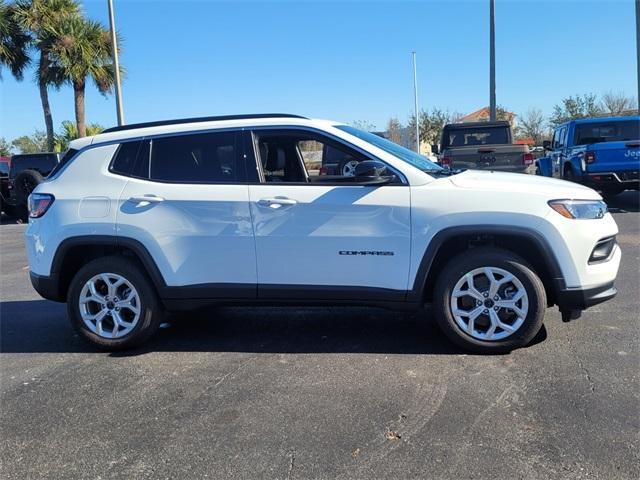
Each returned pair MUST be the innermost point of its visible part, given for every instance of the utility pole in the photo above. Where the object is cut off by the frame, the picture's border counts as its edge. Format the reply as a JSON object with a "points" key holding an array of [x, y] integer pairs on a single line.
{"points": [[415, 99], [638, 48], [116, 63], [492, 61]]}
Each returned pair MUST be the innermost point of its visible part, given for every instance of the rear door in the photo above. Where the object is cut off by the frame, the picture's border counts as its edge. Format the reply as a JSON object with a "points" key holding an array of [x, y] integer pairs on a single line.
{"points": [[325, 236], [187, 201]]}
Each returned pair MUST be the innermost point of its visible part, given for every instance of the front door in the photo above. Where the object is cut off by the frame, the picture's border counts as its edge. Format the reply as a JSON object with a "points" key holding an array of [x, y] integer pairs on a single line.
{"points": [[188, 203], [320, 234]]}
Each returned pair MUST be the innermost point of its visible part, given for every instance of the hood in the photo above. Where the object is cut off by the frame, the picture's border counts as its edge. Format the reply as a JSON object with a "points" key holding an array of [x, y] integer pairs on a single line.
{"points": [[522, 183]]}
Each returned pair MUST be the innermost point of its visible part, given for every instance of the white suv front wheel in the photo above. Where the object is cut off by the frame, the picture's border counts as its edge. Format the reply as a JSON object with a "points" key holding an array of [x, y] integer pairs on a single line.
{"points": [[112, 303], [489, 300]]}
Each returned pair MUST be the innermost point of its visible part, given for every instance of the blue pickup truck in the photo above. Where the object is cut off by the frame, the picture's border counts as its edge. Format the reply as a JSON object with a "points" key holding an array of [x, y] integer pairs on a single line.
{"points": [[603, 153]]}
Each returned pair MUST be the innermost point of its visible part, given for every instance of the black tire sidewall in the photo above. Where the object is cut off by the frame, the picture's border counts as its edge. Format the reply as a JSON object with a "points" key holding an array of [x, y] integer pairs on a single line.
{"points": [[151, 311], [483, 257], [34, 177]]}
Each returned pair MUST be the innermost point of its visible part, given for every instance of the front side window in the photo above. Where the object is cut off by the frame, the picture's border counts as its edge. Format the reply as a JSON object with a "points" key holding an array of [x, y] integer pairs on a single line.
{"points": [[300, 156], [198, 158]]}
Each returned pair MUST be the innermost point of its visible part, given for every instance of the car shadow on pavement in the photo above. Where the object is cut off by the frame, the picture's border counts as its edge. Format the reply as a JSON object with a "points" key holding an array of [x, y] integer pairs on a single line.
{"points": [[626, 202], [40, 326]]}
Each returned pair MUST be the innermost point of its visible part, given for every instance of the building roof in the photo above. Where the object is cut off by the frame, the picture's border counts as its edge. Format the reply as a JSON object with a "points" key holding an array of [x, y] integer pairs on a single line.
{"points": [[482, 114]]}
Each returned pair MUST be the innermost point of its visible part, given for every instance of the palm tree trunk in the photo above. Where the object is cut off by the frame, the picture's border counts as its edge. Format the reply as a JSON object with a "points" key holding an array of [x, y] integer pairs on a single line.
{"points": [[78, 93], [44, 97]]}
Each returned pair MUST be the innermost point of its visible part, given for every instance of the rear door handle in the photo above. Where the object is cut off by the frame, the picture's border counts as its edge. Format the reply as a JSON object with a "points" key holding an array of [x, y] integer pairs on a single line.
{"points": [[277, 202], [147, 197]]}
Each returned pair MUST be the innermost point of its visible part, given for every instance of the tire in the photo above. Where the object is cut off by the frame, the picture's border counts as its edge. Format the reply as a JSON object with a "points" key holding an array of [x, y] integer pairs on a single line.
{"points": [[24, 183], [525, 326], [612, 191], [133, 330], [568, 175]]}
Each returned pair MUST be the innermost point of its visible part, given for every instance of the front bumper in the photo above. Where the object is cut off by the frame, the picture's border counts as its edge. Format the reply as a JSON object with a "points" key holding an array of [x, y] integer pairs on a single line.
{"points": [[47, 287], [570, 299]]}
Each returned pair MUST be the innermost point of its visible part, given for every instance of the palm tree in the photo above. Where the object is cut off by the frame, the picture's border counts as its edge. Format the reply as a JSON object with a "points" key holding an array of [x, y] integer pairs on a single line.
{"points": [[14, 42], [69, 132], [82, 50], [41, 19]]}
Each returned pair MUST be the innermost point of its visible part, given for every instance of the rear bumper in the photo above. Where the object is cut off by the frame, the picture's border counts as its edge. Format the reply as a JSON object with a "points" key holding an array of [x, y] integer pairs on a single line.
{"points": [[626, 179], [47, 287], [581, 299]]}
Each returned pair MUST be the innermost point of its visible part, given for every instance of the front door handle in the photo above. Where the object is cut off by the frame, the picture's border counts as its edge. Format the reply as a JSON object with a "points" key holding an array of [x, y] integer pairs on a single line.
{"points": [[147, 197], [277, 202]]}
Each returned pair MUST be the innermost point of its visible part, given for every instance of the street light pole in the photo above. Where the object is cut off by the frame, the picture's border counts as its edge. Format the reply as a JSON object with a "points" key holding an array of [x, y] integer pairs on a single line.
{"points": [[116, 63], [415, 98], [492, 62]]}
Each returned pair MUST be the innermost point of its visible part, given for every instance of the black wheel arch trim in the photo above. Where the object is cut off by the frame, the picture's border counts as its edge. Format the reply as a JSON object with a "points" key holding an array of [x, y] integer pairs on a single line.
{"points": [[108, 241], [416, 293]]}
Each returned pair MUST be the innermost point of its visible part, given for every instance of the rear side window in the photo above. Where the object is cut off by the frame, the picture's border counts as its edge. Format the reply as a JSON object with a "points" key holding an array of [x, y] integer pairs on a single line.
{"points": [[125, 158], [199, 158]]}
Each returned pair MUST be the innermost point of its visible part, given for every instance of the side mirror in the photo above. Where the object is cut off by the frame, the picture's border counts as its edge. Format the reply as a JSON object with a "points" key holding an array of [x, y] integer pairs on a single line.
{"points": [[373, 172], [546, 144]]}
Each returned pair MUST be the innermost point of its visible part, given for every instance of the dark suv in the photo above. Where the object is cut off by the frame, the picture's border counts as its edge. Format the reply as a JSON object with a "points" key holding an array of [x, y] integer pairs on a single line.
{"points": [[26, 172]]}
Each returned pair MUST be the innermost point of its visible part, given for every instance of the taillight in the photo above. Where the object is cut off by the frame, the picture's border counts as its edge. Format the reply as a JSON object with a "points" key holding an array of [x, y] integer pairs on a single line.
{"points": [[446, 162], [39, 203], [589, 157], [527, 159], [323, 171]]}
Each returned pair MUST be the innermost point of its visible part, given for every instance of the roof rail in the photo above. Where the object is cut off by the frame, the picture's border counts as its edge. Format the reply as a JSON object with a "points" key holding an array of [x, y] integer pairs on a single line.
{"points": [[178, 121]]}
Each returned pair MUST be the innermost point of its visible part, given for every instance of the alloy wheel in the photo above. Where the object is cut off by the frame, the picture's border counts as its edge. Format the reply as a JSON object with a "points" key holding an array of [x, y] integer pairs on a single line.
{"points": [[109, 305], [489, 303]]}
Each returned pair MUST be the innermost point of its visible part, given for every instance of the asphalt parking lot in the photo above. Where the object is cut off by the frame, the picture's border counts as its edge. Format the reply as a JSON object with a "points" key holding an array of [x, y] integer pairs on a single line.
{"points": [[303, 393]]}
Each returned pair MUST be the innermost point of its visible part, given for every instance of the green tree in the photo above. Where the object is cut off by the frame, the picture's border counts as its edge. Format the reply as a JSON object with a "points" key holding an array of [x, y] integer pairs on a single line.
{"points": [[82, 50], [14, 42], [5, 148], [69, 131], [35, 143], [431, 124], [41, 19], [580, 106]]}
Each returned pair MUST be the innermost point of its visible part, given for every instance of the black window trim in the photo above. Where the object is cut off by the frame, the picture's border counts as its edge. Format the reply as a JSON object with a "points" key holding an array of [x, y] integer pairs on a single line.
{"points": [[261, 181]]}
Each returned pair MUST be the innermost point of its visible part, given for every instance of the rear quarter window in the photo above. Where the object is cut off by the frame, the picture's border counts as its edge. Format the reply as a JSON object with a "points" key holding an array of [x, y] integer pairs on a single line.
{"points": [[125, 158]]}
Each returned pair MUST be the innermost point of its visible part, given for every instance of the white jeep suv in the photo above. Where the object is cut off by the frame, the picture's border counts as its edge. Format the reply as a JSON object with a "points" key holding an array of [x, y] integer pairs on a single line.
{"points": [[280, 209]]}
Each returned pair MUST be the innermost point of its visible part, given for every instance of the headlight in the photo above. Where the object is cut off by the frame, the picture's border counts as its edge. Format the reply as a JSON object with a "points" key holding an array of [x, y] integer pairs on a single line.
{"points": [[580, 209]]}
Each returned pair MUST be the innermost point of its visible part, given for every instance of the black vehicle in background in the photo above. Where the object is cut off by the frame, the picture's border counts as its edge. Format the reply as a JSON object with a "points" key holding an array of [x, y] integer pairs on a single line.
{"points": [[26, 172], [4, 182]]}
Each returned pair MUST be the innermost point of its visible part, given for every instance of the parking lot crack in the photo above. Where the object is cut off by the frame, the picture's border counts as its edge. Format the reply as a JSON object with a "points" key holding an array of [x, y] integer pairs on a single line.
{"points": [[292, 461], [583, 369]]}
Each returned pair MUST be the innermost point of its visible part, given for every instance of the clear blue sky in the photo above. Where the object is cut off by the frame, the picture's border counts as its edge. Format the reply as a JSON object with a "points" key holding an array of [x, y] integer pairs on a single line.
{"points": [[345, 61]]}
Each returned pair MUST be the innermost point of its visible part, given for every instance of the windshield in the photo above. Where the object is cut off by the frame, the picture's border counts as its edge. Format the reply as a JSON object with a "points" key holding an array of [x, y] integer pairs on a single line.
{"points": [[394, 149]]}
